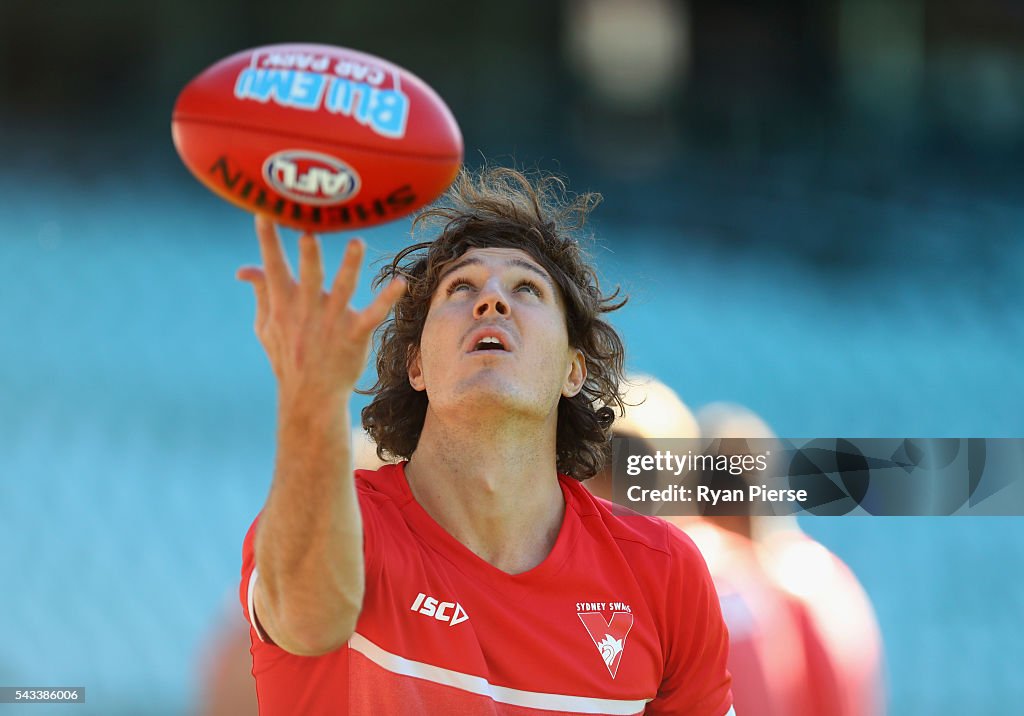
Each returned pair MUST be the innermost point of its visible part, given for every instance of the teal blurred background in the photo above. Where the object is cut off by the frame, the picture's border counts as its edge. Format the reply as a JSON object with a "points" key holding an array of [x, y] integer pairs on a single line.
{"points": [[816, 207]]}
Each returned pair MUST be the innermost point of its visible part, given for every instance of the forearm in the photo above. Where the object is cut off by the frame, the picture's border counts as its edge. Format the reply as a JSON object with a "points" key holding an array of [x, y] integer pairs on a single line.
{"points": [[309, 540]]}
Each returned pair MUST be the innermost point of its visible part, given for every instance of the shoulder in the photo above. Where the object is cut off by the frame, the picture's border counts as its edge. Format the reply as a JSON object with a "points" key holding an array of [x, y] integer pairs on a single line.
{"points": [[647, 541], [382, 486], [375, 488]]}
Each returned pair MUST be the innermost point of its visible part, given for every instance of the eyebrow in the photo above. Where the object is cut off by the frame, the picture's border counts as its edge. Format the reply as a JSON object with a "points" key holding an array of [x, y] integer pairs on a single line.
{"points": [[514, 261]]}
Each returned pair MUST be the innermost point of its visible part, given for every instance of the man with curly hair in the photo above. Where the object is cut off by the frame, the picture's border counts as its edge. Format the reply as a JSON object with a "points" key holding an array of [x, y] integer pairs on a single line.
{"points": [[476, 575]]}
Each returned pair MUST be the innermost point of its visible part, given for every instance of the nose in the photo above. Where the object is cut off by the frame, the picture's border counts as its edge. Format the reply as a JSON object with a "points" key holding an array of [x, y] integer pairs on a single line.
{"points": [[491, 301]]}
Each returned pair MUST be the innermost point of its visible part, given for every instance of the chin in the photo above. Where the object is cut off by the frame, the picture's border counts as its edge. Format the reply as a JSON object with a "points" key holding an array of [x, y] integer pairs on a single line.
{"points": [[490, 392]]}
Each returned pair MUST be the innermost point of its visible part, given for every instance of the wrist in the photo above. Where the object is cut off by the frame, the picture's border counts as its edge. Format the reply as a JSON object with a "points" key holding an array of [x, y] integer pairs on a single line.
{"points": [[316, 410]]}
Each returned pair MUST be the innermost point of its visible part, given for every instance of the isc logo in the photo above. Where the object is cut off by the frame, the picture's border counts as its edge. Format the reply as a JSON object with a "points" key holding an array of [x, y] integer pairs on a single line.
{"points": [[311, 177], [450, 612]]}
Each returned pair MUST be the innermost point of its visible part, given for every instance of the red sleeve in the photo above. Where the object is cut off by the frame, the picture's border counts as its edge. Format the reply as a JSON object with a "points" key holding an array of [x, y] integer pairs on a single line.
{"points": [[370, 513], [371, 530], [249, 576], [697, 680], [286, 683]]}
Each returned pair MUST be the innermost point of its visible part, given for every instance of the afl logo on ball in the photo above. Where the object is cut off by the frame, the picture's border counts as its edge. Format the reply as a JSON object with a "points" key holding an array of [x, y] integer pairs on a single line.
{"points": [[310, 177]]}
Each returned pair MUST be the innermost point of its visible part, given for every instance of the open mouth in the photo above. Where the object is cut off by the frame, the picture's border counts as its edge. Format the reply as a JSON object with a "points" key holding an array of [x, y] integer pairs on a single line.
{"points": [[489, 343]]}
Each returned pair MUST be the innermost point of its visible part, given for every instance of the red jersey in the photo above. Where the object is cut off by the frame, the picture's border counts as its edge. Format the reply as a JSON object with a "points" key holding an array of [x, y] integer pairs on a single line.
{"points": [[620, 618], [766, 650], [841, 637]]}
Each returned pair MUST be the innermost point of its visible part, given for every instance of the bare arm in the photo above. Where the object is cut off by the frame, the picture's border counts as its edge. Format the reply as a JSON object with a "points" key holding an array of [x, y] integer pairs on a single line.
{"points": [[309, 540]]}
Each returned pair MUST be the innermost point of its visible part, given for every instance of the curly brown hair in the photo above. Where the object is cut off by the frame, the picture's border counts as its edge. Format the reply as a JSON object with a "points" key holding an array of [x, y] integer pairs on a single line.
{"points": [[503, 208]]}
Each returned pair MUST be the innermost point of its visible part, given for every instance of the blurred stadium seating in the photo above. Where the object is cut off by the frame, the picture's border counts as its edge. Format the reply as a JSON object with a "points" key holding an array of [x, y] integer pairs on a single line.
{"points": [[137, 428], [820, 219]]}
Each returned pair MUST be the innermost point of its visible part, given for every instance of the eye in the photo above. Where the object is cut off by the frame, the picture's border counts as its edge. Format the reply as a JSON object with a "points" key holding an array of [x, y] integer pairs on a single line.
{"points": [[459, 284], [529, 286]]}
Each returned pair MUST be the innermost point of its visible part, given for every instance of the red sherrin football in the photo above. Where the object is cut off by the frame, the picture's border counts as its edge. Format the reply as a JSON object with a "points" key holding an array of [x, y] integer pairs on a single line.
{"points": [[317, 137]]}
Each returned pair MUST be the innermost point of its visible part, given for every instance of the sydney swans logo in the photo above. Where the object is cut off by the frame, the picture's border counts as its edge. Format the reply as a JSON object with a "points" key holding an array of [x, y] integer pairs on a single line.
{"points": [[609, 648], [608, 635]]}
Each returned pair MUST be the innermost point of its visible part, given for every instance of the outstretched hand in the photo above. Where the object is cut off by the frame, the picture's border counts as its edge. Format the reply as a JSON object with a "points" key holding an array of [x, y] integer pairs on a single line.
{"points": [[316, 342]]}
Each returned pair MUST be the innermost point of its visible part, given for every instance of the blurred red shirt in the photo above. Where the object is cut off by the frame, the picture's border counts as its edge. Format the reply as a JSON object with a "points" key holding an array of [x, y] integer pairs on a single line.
{"points": [[766, 649], [842, 641]]}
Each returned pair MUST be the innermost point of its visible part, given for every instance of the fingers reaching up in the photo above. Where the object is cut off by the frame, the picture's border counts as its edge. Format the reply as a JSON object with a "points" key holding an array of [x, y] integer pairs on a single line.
{"points": [[313, 338]]}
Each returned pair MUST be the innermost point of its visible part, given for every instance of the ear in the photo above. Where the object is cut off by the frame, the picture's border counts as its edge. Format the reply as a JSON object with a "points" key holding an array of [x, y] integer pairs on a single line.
{"points": [[415, 371], [577, 374]]}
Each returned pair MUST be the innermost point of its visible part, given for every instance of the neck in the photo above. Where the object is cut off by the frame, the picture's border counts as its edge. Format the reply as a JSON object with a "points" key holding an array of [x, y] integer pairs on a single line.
{"points": [[492, 486]]}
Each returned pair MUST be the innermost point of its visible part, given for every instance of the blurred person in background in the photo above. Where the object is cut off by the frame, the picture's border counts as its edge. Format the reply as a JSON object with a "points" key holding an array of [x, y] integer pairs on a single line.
{"points": [[226, 686], [766, 657], [841, 638], [478, 575]]}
